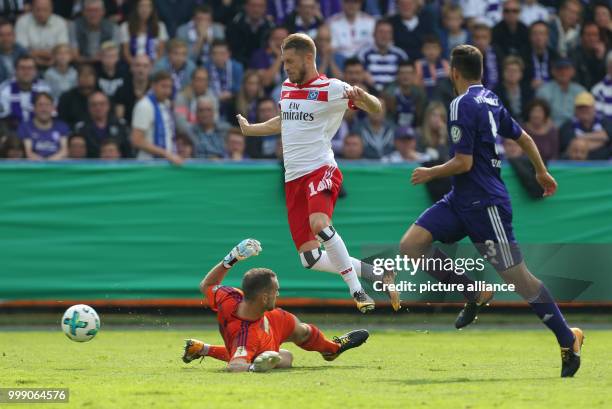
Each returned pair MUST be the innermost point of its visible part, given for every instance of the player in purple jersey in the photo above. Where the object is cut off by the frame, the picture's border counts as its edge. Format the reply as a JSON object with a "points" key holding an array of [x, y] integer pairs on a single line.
{"points": [[478, 206]]}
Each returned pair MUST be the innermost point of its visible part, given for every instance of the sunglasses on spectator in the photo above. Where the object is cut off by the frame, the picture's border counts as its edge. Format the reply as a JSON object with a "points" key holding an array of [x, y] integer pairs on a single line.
{"points": [[513, 11]]}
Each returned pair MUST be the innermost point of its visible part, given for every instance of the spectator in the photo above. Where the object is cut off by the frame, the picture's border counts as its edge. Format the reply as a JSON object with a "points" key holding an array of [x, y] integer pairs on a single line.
{"points": [[405, 147], [603, 91], [208, 133], [11, 147], [491, 55], [541, 128], [225, 10], [175, 13], [10, 10], [432, 68], [268, 61], [9, 50], [109, 150], [487, 12], [61, 76], [185, 106], [77, 147], [250, 93], [112, 73], [184, 146], [352, 29], [102, 125], [381, 60], [143, 33], [578, 150], [433, 136], [248, 30], [40, 31], [602, 15], [17, 95], [406, 101], [72, 106], [153, 129], [565, 27], [44, 137], [90, 31], [134, 88], [353, 147], [512, 91], [225, 75], [409, 27], [561, 93], [512, 150], [329, 62], [279, 10], [235, 145], [199, 34], [177, 64], [264, 147], [305, 18], [588, 126], [354, 75], [588, 57], [532, 11], [330, 7], [377, 134], [510, 35], [541, 57], [453, 33]]}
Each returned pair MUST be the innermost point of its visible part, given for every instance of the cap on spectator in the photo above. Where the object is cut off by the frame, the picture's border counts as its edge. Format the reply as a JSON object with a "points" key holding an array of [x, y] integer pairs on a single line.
{"points": [[584, 99], [563, 63], [404, 132]]}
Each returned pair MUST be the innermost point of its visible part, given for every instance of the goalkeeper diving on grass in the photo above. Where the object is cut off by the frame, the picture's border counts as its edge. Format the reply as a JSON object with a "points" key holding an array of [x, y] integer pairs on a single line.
{"points": [[252, 328]]}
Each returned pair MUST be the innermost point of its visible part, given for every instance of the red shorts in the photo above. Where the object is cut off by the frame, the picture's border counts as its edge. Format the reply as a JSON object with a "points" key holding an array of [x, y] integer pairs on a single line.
{"points": [[315, 192]]}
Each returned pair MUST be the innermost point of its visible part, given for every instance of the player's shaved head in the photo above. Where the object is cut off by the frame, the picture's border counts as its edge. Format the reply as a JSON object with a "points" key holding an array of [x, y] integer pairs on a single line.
{"points": [[257, 281], [467, 60]]}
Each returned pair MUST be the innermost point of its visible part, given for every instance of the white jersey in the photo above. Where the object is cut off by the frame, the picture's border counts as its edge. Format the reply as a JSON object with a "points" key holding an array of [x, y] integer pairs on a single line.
{"points": [[311, 114]]}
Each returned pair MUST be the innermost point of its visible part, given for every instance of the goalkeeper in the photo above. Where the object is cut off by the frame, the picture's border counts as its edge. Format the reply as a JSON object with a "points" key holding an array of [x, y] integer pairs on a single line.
{"points": [[252, 328]]}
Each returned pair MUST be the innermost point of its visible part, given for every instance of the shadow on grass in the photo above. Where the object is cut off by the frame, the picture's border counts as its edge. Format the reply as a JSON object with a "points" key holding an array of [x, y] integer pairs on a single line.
{"points": [[426, 381], [295, 369]]}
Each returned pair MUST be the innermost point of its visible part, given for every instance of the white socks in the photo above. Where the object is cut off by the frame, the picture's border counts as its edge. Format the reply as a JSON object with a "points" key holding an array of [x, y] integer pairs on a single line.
{"points": [[339, 258]]}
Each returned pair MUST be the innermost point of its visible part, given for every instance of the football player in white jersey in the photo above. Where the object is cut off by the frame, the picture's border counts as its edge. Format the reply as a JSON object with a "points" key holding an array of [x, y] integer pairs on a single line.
{"points": [[312, 107]]}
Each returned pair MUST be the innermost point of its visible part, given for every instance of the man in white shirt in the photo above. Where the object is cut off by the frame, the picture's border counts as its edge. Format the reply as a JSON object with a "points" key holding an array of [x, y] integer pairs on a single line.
{"points": [[352, 30], [312, 107], [40, 31], [153, 129], [532, 11], [487, 12]]}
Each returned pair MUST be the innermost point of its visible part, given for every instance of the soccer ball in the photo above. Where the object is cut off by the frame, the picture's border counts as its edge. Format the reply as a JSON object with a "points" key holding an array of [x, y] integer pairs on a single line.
{"points": [[80, 323]]}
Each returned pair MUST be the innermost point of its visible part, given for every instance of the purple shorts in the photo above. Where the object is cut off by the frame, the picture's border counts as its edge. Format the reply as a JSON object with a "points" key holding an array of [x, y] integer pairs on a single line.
{"points": [[488, 227]]}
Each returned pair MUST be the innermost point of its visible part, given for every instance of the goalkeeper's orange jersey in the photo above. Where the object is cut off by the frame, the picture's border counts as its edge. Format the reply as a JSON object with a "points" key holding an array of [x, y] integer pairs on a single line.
{"points": [[248, 338]]}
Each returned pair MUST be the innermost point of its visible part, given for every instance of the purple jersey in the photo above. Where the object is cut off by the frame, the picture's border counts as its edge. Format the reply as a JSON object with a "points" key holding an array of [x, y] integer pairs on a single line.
{"points": [[45, 142], [476, 119]]}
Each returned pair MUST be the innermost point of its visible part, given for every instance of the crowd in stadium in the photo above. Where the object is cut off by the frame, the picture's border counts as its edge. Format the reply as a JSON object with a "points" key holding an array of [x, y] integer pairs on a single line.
{"points": [[97, 78]]}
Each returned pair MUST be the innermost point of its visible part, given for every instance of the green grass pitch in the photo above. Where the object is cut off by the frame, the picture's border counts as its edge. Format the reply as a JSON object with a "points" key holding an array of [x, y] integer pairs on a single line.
{"points": [[395, 368]]}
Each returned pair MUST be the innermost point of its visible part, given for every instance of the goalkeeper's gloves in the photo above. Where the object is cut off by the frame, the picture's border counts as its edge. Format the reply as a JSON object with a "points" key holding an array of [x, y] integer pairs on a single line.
{"points": [[245, 249]]}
